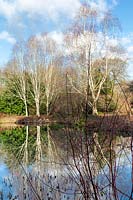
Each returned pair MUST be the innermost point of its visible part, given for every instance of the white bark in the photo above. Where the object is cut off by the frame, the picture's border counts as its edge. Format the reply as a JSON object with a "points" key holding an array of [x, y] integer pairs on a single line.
{"points": [[42, 60], [38, 146], [35, 70], [86, 47]]}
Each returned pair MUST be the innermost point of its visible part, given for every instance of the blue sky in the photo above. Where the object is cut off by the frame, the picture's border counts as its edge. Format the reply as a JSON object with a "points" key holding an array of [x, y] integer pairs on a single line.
{"points": [[124, 11], [19, 19]]}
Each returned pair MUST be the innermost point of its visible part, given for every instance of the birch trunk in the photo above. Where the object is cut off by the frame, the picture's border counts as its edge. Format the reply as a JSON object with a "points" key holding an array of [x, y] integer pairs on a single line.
{"points": [[37, 108], [94, 108]]}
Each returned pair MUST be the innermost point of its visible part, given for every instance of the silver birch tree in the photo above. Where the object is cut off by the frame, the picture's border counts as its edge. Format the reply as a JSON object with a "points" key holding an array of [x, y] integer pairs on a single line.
{"points": [[87, 44]]}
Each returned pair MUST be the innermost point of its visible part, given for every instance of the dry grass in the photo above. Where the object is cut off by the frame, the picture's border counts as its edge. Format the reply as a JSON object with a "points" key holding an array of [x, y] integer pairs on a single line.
{"points": [[9, 119]]}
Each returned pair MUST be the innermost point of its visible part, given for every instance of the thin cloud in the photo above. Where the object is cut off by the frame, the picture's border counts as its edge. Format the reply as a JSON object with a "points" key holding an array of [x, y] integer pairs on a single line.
{"points": [[130, 49], [4, 35], [125, 40], [51, 9], [7, 9], [57, 36]]}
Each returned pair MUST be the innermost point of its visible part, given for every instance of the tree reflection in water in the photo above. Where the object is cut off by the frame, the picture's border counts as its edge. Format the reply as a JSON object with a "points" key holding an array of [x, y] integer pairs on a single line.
{"points": [[67, 164]]}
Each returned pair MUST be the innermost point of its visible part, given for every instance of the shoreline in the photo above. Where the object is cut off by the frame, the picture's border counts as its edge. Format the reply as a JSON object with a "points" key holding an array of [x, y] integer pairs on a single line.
{"points": [[109, 122]]}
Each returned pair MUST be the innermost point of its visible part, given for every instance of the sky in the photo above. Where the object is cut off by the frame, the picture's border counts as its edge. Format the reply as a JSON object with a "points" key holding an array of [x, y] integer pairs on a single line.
{"points": [[20, 19]]}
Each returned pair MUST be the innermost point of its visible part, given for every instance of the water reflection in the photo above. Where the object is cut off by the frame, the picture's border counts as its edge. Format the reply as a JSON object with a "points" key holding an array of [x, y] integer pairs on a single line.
{"points": [[64, 163]]}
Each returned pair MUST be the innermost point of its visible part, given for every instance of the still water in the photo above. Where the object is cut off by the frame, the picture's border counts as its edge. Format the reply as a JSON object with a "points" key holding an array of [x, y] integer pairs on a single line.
{"points": [[58, 163]]}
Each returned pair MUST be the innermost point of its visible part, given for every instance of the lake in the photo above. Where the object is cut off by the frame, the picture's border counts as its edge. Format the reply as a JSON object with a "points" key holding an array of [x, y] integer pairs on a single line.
{"points": [[57, 162]]}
